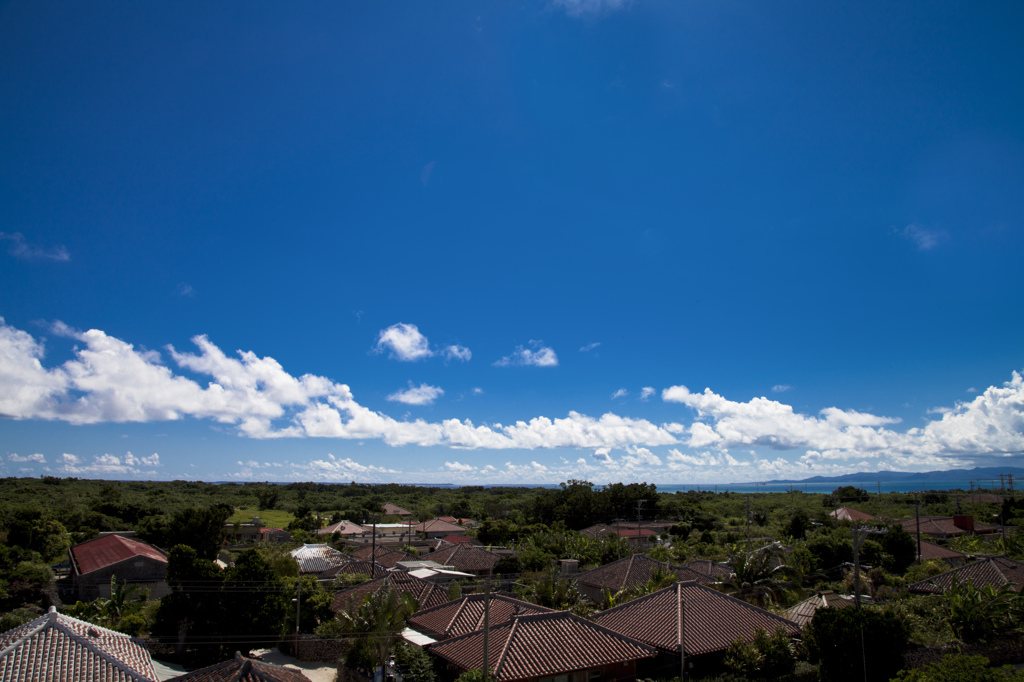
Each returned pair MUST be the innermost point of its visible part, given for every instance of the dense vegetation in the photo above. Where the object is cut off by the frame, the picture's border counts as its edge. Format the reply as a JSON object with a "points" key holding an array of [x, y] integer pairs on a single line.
{"points": [[798, 549]]}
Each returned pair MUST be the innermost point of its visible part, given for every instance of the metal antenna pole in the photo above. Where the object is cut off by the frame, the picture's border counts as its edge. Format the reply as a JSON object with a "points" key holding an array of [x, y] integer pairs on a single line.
{"points": [[487, 626]]}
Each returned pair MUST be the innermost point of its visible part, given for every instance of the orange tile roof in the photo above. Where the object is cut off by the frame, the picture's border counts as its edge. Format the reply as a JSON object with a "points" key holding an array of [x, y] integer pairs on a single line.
{"points": [[990, 572], [242, 669], [634, 571], [395, 510], [464, 557], [344, 527], [59, 648], [110, 549], [425, 593], [466, 615], [941, 526], [540, 645], [712, 620]]}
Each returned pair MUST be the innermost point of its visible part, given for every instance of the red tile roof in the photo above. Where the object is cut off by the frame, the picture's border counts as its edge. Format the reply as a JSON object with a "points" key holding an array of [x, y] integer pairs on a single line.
{"points": [[425, 593], [464, 557], [438, 526], [457, 539], [942, 526], [990, 572], [59, 648], [395, 510], [540, 645], [344, 527], [930, 550], [385, 556], [712, 620], [850, 514], [111, 549], [634, 571], [466, 615], [715, 571], [802, 613], [242, 669]]}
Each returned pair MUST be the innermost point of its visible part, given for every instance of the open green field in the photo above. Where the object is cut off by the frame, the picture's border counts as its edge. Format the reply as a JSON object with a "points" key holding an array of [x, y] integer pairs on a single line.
{"points": [[273, 518]]}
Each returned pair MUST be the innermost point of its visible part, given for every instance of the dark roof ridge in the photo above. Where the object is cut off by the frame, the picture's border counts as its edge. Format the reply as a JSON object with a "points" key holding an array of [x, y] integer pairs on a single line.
{"points": [[508, 644], [744, 604]]}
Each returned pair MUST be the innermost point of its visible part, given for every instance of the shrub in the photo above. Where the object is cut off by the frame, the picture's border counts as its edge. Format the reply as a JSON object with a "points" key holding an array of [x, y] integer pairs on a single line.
{"points": [[834, 638]]}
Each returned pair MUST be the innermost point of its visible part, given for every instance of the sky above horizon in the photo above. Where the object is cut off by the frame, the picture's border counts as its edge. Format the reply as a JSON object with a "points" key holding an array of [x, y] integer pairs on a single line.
{"points": [[464, 242]]}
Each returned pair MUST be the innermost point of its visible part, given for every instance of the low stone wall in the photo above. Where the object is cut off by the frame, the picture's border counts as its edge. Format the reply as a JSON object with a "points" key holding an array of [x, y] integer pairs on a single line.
{"points": [[313, 648]]}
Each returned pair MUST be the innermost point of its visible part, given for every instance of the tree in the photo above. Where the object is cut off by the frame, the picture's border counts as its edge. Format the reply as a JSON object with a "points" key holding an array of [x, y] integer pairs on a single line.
{"points": [[762, 576], [414, 662], [202, 528], [961, 668], [254, 599], [377, 622], [900, 547], [191, 611], [833, 639], [798, 525]]}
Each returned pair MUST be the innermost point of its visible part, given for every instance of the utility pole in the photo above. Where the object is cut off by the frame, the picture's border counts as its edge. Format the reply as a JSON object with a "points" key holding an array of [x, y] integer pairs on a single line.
{"points": [[487, 626], [298, 601], [748, 524], [859, 536], [681, 632], [917, 520], [373, 546], [639, 535]]}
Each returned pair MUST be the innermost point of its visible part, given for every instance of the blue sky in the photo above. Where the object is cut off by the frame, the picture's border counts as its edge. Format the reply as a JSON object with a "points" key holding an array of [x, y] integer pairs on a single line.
{"points": [[510, 243]]}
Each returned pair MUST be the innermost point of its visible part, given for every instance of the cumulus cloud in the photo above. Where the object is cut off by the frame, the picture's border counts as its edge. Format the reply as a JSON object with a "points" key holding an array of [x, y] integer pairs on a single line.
{"points": [[621, 393], [22, 250], [405, 342], [538, 355], [108, 464], [457, 352], [459, 467], [41, 459], [108, 380], [423, 394]]}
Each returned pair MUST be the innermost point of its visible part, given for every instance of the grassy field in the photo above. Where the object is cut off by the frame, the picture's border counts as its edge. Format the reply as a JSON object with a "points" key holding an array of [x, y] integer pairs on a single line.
{"points": [[272, 518]]}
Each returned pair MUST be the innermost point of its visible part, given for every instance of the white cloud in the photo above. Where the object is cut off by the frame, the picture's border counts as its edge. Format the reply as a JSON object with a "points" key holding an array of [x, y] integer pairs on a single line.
{"points": [[478, 391], [621, 393], [590, 346], [67, 458], [781, 388], [646, 392], [537, 356], [186, 290], [41, 459], [925, 239], [108, 464], [459, 467], [457, 352], [22, 250], [417, 395], [405, 342]]}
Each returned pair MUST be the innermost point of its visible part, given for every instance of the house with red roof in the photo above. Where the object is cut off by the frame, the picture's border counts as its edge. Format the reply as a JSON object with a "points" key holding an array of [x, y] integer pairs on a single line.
{"points": [[94, 562], [543, 646], [394, 510], [930, 551], [425, 593], [941, 527], [993, 572], [59, 647], [435, 529], [630, 573], [466, 615], [850, 514], [466, 558], [708, 620], [345, 528]]}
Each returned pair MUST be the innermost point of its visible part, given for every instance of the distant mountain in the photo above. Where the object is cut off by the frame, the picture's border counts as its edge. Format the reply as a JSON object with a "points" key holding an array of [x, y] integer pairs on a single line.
{"points": [[976, 474]]}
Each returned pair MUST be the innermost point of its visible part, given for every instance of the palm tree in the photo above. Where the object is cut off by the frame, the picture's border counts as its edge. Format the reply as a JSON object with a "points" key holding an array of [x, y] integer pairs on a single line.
{"points": [[762, 576]]}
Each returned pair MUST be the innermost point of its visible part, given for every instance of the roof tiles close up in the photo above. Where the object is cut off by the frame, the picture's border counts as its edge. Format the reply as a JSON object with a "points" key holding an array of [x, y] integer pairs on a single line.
{"points": [[712, 620]]}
